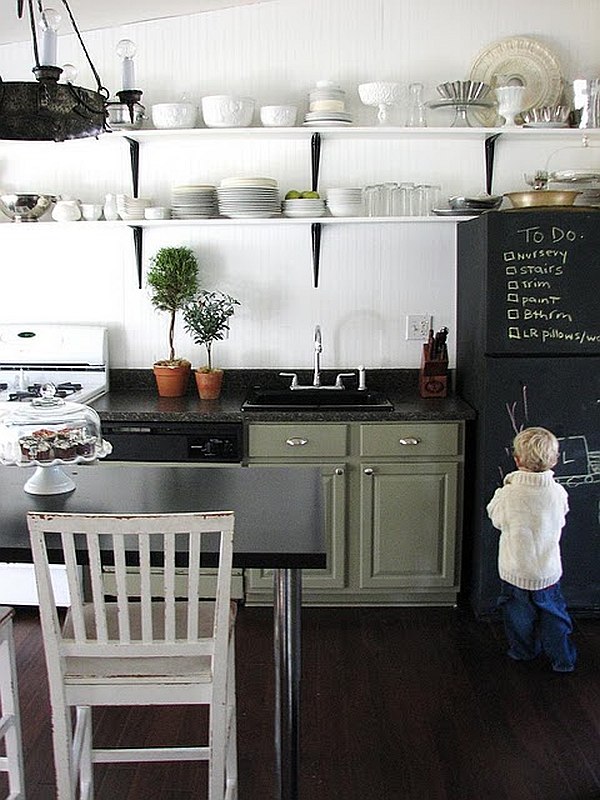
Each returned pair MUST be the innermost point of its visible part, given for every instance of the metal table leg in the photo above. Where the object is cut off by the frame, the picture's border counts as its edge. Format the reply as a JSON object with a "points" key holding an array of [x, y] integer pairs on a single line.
{"points": [[287, 610]]}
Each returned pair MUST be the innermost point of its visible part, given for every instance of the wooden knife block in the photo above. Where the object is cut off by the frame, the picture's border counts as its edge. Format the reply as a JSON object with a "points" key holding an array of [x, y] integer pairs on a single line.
{"points": [[433, 375]]}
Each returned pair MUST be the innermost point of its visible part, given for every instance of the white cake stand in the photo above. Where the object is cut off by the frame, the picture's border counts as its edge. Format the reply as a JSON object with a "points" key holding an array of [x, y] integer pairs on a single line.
{"points": [[381, 94]]}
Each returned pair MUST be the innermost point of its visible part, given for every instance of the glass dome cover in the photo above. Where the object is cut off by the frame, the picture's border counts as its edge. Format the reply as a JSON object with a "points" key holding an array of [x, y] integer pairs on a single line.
{"points": [[48, 432]]}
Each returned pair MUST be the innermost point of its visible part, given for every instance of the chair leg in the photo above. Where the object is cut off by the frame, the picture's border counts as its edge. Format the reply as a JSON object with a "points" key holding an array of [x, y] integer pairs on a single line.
{"points": [[82, 748], [62, 740], [231, 766], [9, 701], [222, 772]]}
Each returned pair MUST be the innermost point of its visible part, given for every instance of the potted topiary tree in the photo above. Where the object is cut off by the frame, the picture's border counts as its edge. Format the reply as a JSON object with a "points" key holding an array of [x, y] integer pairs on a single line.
{"points": [[172, 279], [206, 320]]}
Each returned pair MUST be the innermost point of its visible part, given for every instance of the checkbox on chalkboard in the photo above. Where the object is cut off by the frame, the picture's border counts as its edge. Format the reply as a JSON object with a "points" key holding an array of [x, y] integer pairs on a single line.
{"points": [[512, 313], [512, 297], [511, 270], [512, 285]]}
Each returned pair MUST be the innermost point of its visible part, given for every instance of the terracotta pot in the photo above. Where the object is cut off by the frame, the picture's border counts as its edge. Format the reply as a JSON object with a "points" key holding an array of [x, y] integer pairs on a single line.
{"points": [[172, 381], [209, 384]]}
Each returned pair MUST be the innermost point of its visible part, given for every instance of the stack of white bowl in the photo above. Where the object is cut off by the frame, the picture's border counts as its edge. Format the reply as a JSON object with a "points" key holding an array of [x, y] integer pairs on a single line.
{"points": [[345, 202], [132, 207], [241, 198], [194, 201], [304, 207]]}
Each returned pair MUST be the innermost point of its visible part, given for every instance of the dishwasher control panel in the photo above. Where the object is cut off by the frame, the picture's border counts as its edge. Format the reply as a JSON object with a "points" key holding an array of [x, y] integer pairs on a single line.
{"points": [[176, 442]]}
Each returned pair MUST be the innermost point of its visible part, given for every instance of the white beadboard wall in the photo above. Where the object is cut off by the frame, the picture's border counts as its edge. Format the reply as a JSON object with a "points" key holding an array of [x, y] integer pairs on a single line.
{"points": [[371, 275]]}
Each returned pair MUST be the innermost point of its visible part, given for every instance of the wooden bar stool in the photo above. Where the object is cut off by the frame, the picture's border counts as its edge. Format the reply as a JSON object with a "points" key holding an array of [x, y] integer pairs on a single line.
{"points": [[10, 723]]}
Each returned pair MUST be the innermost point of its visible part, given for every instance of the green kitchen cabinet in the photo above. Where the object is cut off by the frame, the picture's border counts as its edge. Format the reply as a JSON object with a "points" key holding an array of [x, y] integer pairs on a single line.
{"points": [[393, 502], [408, 526]]}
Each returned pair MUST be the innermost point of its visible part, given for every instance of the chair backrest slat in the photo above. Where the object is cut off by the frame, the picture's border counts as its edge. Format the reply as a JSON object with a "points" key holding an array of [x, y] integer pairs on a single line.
{"points": [[193, 586], [74, 583], [145, 588], [95, 563], [169, 572], [118, 544]]}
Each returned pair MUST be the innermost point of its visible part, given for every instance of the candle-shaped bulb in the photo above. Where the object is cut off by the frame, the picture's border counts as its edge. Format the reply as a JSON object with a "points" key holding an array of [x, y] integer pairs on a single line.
{"points": [[49, 22], [126, 49], [69, 73]]}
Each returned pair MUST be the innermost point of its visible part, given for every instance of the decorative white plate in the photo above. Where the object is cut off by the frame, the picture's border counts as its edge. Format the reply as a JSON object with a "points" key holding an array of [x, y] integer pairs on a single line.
{"points": [[523, 60]]}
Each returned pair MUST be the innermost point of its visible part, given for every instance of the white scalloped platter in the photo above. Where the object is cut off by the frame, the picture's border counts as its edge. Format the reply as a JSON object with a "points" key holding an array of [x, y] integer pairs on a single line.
{"points": [[523, 60]]}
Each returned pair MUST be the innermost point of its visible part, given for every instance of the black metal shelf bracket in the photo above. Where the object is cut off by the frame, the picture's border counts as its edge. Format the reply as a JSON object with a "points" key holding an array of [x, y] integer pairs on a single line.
{"points": [[315, 159], [315, 233], [138, 232], [134, 155], [490, 152]]}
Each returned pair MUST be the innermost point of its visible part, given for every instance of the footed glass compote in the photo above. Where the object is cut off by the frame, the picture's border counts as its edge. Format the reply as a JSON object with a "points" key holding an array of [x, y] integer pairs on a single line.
{"points": [[381, 94], [510, 103]]}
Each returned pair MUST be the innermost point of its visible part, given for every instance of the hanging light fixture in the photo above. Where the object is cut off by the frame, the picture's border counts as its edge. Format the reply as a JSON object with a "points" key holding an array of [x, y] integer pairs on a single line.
{"points": [[47, 110]]}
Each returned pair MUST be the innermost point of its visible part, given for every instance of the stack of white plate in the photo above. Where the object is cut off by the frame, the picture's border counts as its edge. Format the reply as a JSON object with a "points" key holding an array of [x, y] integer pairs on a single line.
{"points": [[249, 198], [304, 207], [327, 105], [132, 207], [194, 202], [345, 202]]}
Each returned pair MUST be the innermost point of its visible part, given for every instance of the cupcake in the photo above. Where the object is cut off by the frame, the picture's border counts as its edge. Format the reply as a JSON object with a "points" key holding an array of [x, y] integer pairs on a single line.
{"points": [[42, 451], [65, 447], [87, 446], [27, 444]]}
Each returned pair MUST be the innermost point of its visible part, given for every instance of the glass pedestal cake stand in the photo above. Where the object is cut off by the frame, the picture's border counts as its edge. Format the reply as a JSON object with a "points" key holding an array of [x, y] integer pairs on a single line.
{"points": [[461, 108], [47, 434]]}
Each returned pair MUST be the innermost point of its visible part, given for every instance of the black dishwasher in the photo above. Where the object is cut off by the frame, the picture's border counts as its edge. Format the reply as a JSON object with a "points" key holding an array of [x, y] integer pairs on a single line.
{"points": [[175, 442]]}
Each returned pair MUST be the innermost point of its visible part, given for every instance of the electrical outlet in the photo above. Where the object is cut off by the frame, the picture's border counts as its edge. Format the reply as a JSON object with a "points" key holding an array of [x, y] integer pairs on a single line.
{"points": [[417, 326]]}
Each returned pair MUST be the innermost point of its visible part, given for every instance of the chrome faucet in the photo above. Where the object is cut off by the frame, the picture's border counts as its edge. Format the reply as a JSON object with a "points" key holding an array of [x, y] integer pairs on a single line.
{"points": [[318, 350]]}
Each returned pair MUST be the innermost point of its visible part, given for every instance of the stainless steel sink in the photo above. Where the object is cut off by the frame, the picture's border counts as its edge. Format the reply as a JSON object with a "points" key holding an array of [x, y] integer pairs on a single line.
{"points": [[325, 398]]}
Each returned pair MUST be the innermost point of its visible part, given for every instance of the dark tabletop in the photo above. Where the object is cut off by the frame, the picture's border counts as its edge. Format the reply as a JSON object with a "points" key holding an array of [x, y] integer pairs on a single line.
{"points": [[278, 511]]}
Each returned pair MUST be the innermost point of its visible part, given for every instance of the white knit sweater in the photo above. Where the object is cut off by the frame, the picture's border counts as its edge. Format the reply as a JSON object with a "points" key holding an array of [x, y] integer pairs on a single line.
{"points": [[530, 511]]}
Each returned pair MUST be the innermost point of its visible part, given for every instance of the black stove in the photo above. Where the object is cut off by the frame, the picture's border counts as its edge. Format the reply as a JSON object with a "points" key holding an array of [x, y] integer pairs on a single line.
{"points": [[35, 390]]}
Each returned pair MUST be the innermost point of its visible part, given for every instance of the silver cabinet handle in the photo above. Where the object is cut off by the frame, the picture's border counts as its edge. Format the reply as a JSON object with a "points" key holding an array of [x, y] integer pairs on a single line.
{"points": [[369, 471], [296, 441], [338, 471], [410, 440]]}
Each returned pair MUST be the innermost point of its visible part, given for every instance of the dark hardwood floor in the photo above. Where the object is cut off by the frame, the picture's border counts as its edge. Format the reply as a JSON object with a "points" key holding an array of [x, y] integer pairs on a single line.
{"points": [[398, 704]]}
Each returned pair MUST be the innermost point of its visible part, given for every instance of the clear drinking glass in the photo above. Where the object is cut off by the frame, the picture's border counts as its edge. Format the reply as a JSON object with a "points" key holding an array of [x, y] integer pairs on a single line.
{"points": [[416, 109], [401, 199], [386, 191], [372, 200]]}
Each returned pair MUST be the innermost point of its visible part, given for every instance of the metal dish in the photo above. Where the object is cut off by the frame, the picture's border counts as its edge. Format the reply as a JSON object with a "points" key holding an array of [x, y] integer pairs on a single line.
{"points": [[26, 207], [482, 201], [546, 115], [464, 91], [542, 198]]}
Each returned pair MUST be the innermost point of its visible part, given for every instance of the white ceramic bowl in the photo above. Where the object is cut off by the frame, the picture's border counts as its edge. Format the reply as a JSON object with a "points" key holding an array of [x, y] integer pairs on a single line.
{"points": [[157, 212], [174, 115], [226, 111], [346, 209], [278, 116]]}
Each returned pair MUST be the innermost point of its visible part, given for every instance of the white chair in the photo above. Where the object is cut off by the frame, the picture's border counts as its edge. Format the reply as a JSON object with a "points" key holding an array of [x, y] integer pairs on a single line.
{"points": [[10, 725], [137, 650]]}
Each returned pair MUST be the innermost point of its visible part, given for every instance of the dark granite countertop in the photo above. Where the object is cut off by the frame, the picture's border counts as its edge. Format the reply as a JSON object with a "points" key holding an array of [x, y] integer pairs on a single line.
{"points": [[133, 397]]}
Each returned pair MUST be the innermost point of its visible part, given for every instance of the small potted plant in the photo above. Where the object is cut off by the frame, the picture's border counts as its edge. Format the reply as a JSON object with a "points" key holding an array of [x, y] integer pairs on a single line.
{"points": [[206, 320], [172, 279]]}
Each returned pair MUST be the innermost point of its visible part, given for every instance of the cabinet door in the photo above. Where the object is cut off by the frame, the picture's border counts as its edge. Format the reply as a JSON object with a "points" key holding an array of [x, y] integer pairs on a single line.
{"points": [[408, 525], [334, 575]]}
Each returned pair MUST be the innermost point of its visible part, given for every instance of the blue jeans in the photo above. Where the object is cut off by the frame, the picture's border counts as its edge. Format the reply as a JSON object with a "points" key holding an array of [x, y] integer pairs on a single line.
{"points": [[538, 621]]}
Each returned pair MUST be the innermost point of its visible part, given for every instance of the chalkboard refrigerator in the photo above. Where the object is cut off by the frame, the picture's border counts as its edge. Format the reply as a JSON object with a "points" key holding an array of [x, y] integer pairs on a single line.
{"points": [[528, 353]]}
